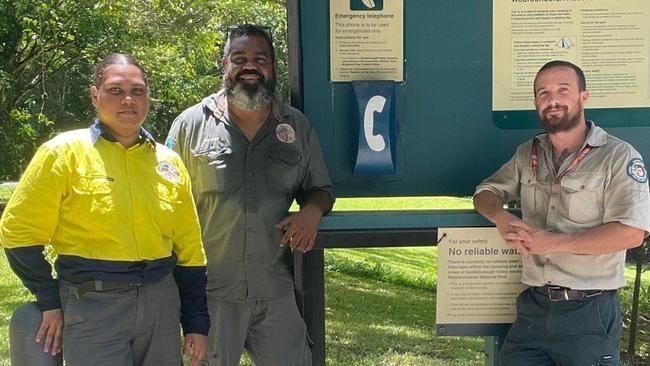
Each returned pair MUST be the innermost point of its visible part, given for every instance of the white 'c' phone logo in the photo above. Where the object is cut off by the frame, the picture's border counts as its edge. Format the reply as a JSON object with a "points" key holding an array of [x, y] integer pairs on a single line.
{"points": [[375, 104]]}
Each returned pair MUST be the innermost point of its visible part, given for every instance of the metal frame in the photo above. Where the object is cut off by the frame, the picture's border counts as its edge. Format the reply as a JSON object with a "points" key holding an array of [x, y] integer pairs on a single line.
{"points": [[356, 229], [364, 229]]}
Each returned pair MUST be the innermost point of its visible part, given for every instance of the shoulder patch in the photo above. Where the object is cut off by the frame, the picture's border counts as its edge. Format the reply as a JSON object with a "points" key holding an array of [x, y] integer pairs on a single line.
{"points": [[170, 143], [168, 171], [636, 170]]}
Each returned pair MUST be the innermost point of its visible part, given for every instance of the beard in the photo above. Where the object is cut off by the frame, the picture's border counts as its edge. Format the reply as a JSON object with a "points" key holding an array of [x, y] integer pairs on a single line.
{"points": [[558, 123], [246, 96]]}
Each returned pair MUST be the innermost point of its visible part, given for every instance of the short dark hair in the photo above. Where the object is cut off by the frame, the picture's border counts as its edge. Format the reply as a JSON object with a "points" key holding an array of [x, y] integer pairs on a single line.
{"points": [[582, 82], [248, 30], [115, 59]]}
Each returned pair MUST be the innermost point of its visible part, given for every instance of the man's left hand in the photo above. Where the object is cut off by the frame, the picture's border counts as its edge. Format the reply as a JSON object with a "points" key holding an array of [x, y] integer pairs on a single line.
{"points": [[535, 240], [196, 345], [302, 228]]}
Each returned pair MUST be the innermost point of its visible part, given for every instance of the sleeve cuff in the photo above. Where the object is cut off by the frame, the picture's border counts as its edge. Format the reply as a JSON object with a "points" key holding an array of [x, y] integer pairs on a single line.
{"points": [[191, 282], [199, 324], [48, 299]]}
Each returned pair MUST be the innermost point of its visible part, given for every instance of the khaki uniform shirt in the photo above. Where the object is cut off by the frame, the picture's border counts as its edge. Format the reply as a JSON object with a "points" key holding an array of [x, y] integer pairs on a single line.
{"points": [[242, 189], [608, 185]]}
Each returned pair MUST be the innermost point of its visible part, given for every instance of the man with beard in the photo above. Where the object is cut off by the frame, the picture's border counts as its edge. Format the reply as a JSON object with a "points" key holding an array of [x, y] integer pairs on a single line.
{"points": [[584, 201], [249, 156]]}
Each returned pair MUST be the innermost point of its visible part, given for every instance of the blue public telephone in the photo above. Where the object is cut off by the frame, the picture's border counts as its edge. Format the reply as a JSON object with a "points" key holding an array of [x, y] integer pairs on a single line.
{"points": [[377, 127]]}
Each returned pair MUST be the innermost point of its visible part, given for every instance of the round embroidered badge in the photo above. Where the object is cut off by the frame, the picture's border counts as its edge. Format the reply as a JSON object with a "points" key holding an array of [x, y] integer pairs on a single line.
{"points": [[168, 171], [285, 133], [636, 170]]}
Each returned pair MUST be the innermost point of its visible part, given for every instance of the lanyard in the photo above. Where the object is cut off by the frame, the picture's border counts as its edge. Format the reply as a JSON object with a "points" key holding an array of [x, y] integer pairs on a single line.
{"points": [[534, 161]]}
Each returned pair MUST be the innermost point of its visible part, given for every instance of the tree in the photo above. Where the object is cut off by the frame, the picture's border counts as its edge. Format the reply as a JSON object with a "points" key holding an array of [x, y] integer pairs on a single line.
{"points": [[42, 42], [48, 50]]}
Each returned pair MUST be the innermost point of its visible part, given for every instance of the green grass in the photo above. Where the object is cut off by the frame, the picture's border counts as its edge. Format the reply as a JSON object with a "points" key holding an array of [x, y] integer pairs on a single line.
{"points": [[413, 267], [400, 203], [12, 295], [5, 193], [372, 322], [403, 203]]}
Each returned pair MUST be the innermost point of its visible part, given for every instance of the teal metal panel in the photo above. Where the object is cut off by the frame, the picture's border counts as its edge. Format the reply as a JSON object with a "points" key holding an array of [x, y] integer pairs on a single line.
{"points": [[449, 137], [608, 118], [402, 219], [494, 329]]}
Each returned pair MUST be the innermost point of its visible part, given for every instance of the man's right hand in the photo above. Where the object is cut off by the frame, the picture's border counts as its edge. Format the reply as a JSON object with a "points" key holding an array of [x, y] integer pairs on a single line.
{"points": [[50, 333], [515, 236], [490, 205]]}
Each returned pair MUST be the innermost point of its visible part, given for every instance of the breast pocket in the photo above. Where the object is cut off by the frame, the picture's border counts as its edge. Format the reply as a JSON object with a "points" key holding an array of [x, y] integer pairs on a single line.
{"points": [[528, 191], [166, 195], [212, 167], [282, 169], [583, 195], [94, 202]]}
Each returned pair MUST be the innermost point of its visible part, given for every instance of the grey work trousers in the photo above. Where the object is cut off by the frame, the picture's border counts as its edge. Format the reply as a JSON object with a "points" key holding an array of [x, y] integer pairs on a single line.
{"points": [[133, 326], [272, 332]]}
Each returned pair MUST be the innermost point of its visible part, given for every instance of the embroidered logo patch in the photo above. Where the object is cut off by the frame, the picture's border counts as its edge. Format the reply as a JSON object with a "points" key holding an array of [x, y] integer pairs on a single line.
{"points": [[285, 133], [168, 171], [636, 170]]}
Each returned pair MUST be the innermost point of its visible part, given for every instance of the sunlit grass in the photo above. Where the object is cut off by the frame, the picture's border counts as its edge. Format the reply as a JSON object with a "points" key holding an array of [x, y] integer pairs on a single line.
{"points": [[400, 203], [412, 267], [403, 203], [5, 192], [373, 322], [12, 295]]}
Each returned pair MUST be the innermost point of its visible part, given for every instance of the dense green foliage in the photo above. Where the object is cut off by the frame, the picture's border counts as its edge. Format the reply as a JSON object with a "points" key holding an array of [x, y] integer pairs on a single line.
{"points": [[48, 49]]}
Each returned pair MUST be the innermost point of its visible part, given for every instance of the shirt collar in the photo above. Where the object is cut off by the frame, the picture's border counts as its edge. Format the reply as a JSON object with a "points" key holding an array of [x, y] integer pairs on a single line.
{"points": [[98, 129], [595, 137]]}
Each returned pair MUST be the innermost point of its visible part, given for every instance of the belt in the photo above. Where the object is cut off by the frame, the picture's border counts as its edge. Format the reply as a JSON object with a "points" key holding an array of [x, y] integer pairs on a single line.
{"points": [[559, 293], [96, 285]]}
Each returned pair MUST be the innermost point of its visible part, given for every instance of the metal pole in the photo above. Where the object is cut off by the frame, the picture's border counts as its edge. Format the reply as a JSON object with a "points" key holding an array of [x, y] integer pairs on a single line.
{"points": [[491, 347], [314, 298]]}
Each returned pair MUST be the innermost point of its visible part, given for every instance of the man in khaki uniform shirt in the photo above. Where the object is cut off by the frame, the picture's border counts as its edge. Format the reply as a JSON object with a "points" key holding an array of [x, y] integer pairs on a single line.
{"points": [[584, 198], [249, 156]]}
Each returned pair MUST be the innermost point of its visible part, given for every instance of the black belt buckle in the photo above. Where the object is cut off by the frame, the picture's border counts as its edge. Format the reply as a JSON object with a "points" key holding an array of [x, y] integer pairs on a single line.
{"points": [[107, 286]]}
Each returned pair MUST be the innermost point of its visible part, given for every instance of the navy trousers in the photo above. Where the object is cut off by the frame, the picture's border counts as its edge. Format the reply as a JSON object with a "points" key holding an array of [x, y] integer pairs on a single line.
{"points": [[564, 333]]}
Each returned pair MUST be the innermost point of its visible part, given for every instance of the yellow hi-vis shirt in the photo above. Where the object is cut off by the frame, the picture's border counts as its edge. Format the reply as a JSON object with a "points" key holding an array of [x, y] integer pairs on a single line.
{"points": [[98, 200]]}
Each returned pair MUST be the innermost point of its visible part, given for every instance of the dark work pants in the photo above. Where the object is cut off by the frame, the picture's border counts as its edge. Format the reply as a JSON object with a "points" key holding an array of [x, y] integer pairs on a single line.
{"points": [[564, 333], [273, 333]]}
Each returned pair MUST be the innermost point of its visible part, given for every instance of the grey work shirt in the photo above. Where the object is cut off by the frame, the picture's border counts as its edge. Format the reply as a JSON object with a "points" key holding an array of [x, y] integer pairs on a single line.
{"points": [[242, 189], [608, 185]]}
